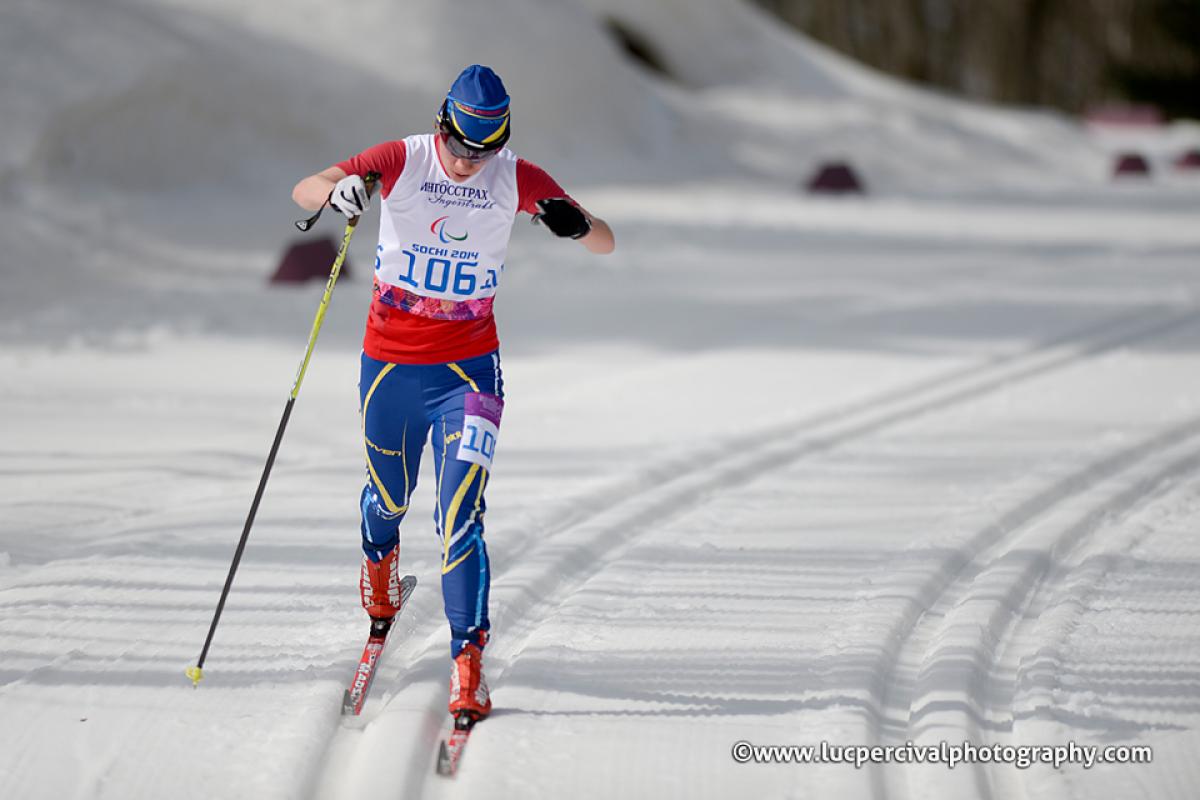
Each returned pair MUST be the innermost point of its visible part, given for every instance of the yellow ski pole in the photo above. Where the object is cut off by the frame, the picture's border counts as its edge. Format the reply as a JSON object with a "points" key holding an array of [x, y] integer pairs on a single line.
{"points": [[197, 672]]}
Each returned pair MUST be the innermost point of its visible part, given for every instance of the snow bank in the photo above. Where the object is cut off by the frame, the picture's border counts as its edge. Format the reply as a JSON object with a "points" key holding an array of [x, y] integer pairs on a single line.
{"points": [[179, 93], [152, 94], [171, 131]]}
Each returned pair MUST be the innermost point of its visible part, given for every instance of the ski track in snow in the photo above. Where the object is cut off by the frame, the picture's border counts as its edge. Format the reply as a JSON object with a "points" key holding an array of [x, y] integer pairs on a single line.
{"points": [[1029, 667], [1114, 651], [952, 675], [551, 573]]}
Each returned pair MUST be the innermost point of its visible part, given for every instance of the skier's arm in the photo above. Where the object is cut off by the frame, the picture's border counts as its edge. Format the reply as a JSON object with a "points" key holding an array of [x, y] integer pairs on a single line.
{"points": [[385, 159], [599, 239], [540, 195], [312, 192]]}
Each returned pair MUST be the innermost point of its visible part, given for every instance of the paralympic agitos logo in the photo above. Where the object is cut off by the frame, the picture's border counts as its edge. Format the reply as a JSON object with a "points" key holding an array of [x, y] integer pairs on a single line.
{"points": [[439, 227]]}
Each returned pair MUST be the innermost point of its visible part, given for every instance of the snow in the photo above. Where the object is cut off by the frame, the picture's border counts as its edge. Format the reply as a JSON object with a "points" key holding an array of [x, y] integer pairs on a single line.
{"points": [[915, 466]]}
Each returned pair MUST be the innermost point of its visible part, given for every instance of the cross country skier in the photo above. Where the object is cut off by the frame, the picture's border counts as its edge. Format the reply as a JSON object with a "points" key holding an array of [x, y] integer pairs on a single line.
{"points": [[430, 357]]}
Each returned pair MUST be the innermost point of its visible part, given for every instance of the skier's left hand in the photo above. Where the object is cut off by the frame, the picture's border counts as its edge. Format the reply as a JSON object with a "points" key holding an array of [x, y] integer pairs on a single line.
{"points": [[563, 218]]}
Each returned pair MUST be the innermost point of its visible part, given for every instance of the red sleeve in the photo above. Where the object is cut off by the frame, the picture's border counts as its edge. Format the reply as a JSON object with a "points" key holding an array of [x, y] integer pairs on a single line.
{"points": [[533, 184], [387, 159]]}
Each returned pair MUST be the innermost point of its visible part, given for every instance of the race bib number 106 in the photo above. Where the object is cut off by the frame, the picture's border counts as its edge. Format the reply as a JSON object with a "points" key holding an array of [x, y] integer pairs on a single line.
{"points": [[481, 428]]}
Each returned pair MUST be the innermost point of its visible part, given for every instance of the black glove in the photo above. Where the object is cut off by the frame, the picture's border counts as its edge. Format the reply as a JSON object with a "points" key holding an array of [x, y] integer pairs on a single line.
{"points": [[563, 218]]}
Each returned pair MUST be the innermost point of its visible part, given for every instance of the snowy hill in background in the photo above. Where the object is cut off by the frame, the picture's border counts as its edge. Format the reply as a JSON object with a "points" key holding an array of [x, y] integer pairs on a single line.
{"points": [[915, 466], [144, 94], [155, 125]]}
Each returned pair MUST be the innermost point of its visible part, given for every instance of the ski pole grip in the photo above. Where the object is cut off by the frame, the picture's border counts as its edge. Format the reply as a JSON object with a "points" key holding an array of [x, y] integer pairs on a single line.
{"points": [[305, 225], [369, 181]]}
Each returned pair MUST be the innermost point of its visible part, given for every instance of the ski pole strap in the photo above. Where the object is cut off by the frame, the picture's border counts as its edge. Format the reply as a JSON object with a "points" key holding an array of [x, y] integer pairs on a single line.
{"points": [[305, 225]]}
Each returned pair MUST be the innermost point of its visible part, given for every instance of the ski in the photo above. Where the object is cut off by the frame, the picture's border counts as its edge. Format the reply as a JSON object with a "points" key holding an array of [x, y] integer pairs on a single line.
{"points": [[364, 674], [451, 748]]}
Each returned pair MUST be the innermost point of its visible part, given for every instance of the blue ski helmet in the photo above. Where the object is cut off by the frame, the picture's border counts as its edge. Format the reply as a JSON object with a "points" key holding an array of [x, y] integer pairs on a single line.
{"points": [[475, 112]]}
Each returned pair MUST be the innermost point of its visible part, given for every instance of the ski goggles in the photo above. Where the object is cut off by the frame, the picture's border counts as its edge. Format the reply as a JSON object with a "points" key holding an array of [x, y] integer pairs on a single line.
{"points": [[460, 150]]}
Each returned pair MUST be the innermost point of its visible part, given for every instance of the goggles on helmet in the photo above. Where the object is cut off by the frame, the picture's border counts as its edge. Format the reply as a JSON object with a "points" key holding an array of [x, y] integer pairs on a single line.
{"points": [[460, 150]]}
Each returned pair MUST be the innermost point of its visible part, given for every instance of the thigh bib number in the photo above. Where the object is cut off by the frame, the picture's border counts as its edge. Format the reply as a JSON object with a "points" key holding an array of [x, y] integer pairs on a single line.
{"points": [[481, 428]]}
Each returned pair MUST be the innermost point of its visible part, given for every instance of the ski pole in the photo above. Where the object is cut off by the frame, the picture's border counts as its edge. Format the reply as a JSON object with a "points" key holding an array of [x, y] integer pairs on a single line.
{"points": [[197, 672]]}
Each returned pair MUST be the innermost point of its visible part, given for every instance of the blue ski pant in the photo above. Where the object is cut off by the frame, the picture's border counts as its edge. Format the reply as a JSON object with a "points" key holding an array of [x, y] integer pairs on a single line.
{"points": [[455, 406]]}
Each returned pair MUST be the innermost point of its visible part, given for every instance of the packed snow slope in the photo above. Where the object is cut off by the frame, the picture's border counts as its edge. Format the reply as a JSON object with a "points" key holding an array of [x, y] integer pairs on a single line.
{"points": [[915, 466]]}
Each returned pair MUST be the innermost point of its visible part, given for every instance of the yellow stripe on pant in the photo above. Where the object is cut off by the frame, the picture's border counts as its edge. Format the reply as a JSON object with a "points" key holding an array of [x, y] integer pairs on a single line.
{"points": [[464, 376], [452, 515], [368, 445]]}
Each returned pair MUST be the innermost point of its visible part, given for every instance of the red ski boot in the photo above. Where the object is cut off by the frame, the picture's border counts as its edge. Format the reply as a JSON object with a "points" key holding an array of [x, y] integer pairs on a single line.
{"points": [[468, 690], [380, 585]]}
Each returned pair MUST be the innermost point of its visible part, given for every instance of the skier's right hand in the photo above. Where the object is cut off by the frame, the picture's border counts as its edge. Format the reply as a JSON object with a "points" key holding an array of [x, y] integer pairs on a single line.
{"points": [[350, 196]]}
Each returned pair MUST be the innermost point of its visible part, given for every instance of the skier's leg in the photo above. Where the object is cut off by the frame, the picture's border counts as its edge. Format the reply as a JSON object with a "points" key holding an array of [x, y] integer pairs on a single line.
{"points": [[466, 573], [465, 426], [394, 431]]}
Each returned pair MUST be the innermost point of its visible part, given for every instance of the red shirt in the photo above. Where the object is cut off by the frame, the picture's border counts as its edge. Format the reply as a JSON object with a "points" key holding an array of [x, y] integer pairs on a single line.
{"points": [[400, 337]]}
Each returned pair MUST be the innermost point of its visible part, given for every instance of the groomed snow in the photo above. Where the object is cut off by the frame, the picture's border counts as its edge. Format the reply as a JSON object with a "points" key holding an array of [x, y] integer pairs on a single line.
{"points": [[919, 466]]}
